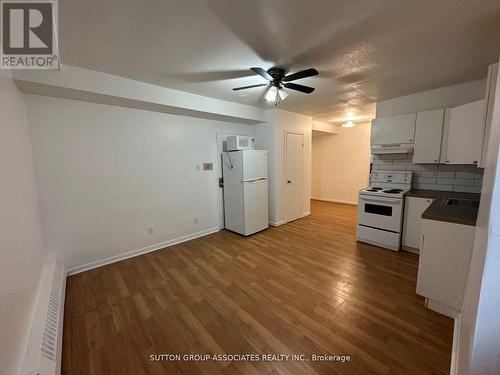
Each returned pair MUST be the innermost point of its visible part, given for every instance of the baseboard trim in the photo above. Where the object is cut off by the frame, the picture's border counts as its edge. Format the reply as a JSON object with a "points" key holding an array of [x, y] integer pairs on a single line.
{"points": [[410, 249], [276, 223], [441, 308], [144, 250], [281, 222], [335, 201], [455, 350]]}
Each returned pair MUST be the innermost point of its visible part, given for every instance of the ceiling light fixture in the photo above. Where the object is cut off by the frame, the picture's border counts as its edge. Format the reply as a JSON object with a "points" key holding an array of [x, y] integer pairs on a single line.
{"points": [[272, 94], [348, 124], [276, 95], [282, 93]]}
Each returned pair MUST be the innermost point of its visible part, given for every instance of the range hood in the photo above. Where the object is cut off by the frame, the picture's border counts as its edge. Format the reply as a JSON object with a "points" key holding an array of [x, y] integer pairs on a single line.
{"points": [[392, 148], [393, 135]]}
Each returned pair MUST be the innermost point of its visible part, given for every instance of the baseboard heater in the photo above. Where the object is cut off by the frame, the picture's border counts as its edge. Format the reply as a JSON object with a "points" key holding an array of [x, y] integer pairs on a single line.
{"points": [[43, 353]]}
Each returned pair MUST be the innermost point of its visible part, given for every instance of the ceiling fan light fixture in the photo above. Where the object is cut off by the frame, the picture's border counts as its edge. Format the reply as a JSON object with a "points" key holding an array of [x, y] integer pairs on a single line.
{"points": [[348, 124], [275, 77], [283, 93], [272, 94]]}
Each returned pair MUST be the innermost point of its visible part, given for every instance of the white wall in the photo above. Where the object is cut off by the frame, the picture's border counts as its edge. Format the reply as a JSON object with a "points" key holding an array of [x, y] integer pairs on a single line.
{"points": [[341, 164], [479, 339], [107, 174], [324, 127], [265, 139], [271, 136], [486, 348], [450, 96], [89, 85], [21, 244]]}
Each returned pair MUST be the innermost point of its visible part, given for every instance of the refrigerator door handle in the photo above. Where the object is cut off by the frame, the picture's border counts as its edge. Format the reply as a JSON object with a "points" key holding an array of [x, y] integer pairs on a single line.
{"points": [[253, 180]]}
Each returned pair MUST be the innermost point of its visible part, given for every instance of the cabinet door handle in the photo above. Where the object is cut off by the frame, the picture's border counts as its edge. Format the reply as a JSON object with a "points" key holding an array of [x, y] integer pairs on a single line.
{"points": [[474, 162]]}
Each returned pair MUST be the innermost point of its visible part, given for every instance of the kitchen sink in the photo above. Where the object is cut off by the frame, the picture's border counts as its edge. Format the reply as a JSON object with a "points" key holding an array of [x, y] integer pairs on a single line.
{"points": [[474, 203]]}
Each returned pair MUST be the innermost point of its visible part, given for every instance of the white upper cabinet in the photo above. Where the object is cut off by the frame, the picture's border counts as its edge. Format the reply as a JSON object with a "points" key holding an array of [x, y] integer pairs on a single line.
{"points": [[393, 130], [464, 133], [491, 84], [428, 134]]}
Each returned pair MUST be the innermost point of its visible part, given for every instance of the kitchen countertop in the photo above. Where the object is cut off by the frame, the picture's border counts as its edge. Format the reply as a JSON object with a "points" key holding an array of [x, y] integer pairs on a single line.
{"points": [[441, 212]]}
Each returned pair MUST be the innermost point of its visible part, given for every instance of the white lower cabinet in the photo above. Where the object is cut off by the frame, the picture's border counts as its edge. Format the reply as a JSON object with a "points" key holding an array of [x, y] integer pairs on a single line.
{"points": [[444, 265], [412, 225]]}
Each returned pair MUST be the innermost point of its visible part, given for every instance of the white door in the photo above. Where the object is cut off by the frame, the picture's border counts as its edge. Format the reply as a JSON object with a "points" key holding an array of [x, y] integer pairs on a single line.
{"points": [[221, 147], [294, 181], [465, 133], [428, 133]]}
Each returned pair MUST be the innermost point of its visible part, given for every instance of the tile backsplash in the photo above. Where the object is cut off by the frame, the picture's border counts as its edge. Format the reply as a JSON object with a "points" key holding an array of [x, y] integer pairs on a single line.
{"points": [[464, 178]]}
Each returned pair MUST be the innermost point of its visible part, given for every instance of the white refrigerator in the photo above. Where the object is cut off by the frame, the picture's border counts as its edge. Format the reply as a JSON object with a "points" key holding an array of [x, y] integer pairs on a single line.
{"points": [[245, 191]]}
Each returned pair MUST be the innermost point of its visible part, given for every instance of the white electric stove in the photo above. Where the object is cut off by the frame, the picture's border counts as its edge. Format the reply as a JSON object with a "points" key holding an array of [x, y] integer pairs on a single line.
{"points": [[381, 207]]}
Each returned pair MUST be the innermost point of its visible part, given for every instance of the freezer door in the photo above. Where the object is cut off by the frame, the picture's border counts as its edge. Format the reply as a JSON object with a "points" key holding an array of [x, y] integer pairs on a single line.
{"points": [[255, 206], [254, 164], [232, 165]]}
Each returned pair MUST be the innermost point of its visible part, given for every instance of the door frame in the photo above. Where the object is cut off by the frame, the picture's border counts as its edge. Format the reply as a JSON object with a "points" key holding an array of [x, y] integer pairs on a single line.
{"points": [[285, 149], [218, 167]]}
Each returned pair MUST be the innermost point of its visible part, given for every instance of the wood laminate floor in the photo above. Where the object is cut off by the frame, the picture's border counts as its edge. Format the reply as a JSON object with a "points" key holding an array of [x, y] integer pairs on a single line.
{"points": [[304, 288]]}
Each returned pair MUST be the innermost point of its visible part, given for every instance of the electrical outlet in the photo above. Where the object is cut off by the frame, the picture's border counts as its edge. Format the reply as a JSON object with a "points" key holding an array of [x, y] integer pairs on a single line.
{"points": [[151, 231], [195, 219]]}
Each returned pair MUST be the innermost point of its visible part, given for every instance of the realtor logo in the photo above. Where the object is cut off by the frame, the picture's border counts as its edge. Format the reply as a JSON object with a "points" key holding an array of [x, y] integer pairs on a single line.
{"points": [[28, 37]]}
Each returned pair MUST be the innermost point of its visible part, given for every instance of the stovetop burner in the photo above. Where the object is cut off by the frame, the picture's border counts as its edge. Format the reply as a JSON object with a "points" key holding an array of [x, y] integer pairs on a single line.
{"points": [[392, 191], [389, 184]]}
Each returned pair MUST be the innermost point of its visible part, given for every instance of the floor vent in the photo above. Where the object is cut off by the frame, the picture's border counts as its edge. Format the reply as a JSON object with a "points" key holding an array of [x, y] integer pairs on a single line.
{"points": [[43, 354]]}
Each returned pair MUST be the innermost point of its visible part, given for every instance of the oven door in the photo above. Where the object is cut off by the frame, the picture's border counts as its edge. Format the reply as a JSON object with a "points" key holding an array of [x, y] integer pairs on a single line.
{"points": [[380, 212]]}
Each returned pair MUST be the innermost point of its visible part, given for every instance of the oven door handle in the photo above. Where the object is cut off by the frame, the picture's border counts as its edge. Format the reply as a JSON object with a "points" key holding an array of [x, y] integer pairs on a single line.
{"points": [[393, 202]]}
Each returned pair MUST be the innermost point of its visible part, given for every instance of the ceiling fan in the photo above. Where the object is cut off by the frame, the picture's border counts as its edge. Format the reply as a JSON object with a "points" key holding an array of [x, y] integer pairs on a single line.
{"points": [[276, 76]]}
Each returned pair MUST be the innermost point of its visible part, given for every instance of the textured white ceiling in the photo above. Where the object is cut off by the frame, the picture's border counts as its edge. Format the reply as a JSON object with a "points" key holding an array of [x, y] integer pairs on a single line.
{"points": [[365, 50]]}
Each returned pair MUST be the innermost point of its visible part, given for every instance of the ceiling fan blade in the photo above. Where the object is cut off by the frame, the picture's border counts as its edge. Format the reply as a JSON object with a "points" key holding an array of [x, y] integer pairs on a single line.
{"points": [[250, 87], [261, 72], [301, 88], [302, 74]]}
